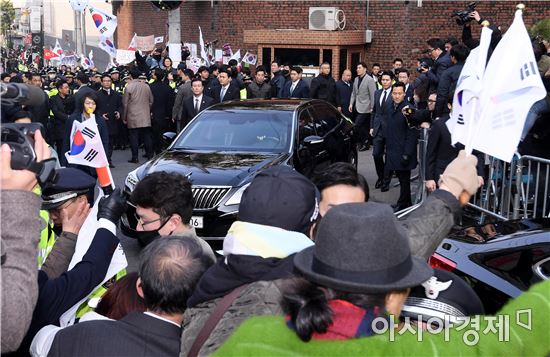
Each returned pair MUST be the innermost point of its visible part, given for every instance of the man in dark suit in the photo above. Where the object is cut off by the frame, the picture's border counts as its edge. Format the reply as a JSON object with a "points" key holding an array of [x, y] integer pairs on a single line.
{"points": [[382, 107], [449, 78], [109, 106], [403, 76], [401, 143], [226, 91], [165, 286], [343, 93], [296, 87], [161, 111], [196, 103]]}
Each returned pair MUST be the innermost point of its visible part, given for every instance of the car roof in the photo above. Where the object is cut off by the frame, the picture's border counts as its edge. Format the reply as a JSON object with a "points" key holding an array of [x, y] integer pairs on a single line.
{"points": [[251, 104]]}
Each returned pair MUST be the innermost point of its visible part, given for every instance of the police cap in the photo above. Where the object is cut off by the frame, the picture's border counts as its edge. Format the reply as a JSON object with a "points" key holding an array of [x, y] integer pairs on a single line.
{"points": [[69, 183]]}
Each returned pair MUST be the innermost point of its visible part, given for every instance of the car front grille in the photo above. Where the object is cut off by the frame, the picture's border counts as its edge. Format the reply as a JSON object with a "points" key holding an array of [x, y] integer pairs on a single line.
{"points": [[207, 197]]}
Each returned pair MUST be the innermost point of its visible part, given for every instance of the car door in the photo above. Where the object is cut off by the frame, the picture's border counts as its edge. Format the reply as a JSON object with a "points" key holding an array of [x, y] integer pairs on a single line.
{"points": [[327, 123], [306, 153]]}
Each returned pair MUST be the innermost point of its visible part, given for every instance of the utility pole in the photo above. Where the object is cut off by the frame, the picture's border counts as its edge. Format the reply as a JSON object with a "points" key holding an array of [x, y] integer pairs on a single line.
{"points": [[84, 52], [174, 26]]}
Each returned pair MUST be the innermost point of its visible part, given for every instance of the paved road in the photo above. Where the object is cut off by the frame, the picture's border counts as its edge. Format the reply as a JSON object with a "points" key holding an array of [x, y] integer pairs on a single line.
{"points": [[132, 248]]}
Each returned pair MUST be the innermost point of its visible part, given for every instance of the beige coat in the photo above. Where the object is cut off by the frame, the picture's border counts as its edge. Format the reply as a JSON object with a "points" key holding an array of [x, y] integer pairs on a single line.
{"points": [[137, 101]]}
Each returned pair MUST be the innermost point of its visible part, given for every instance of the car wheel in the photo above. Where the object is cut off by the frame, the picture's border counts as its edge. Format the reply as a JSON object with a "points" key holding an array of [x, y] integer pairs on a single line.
{"points": [[352, 158]]}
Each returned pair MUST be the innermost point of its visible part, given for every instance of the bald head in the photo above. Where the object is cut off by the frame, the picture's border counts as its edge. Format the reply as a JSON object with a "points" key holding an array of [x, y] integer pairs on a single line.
{"points": [[346, 75]]}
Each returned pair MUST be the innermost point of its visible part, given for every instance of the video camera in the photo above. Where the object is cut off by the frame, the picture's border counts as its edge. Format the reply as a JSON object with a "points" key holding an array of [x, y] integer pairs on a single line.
{"points": [[463, 16], [20, 139]]}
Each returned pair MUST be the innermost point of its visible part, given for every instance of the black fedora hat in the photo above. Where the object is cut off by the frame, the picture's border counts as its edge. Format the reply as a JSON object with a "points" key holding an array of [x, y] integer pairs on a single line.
{"points": [[362, 248]]}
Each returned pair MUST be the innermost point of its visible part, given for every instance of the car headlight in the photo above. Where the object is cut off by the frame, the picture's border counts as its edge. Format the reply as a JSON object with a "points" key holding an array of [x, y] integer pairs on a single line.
{"points": [[131, 180], [235, 199]]}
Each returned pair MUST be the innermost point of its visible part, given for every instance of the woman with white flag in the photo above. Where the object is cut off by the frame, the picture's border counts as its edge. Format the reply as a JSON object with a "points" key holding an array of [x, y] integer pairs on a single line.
{"points": [[86, 138]]}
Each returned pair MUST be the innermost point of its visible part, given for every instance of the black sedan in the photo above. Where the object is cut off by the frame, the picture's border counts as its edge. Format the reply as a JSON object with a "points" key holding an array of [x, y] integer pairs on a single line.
{"points": [[225, 146], [499, 260]]}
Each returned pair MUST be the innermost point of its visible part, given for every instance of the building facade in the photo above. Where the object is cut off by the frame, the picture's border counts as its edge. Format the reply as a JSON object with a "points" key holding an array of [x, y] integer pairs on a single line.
{"points": [[280, 29]]}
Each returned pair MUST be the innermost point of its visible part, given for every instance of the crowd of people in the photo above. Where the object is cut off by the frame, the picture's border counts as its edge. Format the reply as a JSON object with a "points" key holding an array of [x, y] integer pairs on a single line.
{"points": [[310, 267]]}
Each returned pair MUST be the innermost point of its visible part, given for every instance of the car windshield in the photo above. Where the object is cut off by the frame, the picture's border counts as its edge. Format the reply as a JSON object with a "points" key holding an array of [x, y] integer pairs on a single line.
{"points": [[239, 130]]}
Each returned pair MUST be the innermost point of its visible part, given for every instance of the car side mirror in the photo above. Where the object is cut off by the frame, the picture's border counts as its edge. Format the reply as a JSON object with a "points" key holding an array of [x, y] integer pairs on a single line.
{"points": [[167, 139], [313, 140]]}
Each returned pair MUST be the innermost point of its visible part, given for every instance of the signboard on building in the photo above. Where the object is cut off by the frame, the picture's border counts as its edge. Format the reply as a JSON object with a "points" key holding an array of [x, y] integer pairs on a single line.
{"points": [[36, 18]]}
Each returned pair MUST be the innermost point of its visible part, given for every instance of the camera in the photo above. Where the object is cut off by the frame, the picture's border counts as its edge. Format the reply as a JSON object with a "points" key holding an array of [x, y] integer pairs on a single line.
{"points": [[463, 16], [20, 139], [422, 67]]}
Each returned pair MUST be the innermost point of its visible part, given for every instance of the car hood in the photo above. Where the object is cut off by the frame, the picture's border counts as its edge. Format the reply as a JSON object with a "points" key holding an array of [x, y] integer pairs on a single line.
{"points": [[213, 168]]}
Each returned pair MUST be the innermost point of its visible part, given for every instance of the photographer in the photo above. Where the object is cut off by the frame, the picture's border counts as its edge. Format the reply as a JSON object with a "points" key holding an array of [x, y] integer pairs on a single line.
{"points": [[20, 226], [441, 59], [472, 43]]}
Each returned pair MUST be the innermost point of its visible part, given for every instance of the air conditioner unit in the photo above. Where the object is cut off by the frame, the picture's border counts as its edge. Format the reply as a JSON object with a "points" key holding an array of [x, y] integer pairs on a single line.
{"points": [[326, 19]]}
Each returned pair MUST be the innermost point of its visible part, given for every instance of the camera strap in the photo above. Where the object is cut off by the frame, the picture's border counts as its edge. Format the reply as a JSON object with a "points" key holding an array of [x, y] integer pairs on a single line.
{"points": [[44, 170]]}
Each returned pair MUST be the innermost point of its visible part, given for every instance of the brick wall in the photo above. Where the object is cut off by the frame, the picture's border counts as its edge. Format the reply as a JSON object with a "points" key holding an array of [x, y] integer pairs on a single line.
{"points": [[400, 27]]}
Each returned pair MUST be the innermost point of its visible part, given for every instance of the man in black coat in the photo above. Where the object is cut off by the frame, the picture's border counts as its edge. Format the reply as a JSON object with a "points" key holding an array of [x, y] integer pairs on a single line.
{"points": [[381, 109], [162, 108], [401, 143], [196, 103], [165, 287], [323, 86], [62, 105], [296, 87], [227, 90], [449, 78], [343, 93], [84, 88], [109, 107], [40, 112]]}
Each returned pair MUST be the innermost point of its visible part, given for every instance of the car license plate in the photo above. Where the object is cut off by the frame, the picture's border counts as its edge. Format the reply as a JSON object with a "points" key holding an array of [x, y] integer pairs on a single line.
{"points": [[196, 222]]}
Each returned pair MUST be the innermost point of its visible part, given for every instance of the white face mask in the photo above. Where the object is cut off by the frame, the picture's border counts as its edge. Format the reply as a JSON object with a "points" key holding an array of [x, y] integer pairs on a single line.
{"points": [[51, 76]]}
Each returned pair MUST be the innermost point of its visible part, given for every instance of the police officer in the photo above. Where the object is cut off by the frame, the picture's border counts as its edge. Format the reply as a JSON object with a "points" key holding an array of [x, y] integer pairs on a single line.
{"points": [[66, 200]]}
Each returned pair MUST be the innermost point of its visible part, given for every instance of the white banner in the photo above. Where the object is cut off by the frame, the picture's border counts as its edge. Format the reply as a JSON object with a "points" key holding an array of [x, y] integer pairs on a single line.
{"points": [[124, 56], [174, 52]]}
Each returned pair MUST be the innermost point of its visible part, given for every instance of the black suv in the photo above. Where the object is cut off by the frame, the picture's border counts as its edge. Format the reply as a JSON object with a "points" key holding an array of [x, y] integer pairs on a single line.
{"points": [[499, 260], [226, 145]]}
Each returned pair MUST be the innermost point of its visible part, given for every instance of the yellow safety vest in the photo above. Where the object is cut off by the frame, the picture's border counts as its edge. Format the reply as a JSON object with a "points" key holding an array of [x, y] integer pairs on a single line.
{"points": [[47, 236], [91, 303]]}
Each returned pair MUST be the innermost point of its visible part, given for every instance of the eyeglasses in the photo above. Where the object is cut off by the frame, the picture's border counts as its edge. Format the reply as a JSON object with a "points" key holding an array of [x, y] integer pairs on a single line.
{"points": [[63, 206], [430, 50], [143, 223]]}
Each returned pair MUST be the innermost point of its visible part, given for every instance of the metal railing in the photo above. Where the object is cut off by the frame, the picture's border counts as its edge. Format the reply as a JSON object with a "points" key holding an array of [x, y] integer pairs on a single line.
{"points": [[519, 189]]}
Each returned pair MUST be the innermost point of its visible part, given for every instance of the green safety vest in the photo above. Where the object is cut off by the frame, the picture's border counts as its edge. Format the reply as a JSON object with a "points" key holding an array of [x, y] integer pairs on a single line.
{"points": [[47, 236], [243, 93], [90, 303]]}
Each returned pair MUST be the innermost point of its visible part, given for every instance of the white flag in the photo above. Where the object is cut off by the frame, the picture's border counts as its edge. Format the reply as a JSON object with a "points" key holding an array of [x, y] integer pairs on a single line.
{"points": [[468, 88], [107, 45], [105, 23], [133, 44], [159, 39], [250, 58], [512, 83], [86, 146], [236, 56], [203, 49]]}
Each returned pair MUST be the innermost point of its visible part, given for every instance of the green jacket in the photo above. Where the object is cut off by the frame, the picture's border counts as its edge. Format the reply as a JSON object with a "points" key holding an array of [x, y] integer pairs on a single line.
{"points": [[269, 336]]}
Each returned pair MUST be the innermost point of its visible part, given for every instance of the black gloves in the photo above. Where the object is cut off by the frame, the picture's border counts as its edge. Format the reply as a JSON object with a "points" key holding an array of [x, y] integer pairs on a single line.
{"points": [[112, 207], [405, 160]]}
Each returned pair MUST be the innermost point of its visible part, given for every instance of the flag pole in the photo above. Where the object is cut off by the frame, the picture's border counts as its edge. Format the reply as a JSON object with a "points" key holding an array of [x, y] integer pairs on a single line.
{"points": [[473, 109]]}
